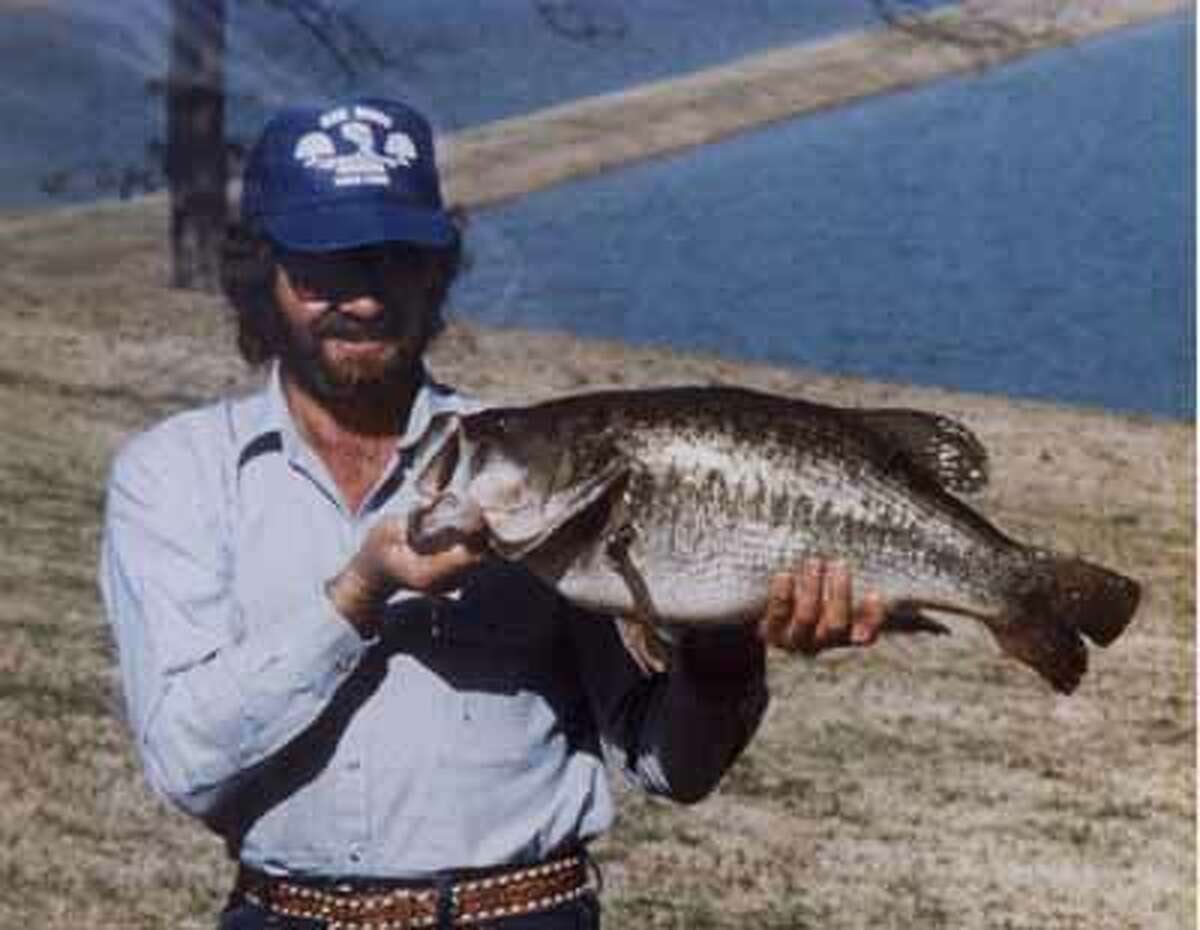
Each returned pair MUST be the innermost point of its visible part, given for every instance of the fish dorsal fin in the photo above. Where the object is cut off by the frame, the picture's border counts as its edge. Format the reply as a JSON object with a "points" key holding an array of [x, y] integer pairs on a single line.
{"points": [[939, 447]]}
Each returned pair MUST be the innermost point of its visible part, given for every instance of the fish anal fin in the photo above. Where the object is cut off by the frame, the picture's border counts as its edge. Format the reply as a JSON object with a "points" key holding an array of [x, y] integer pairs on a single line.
{"points": [[909, 618], [1050, 648], [937, 446]]}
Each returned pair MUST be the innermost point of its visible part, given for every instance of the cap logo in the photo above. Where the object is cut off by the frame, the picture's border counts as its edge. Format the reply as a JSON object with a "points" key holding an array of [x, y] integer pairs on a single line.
{"points": [[347, 145]]}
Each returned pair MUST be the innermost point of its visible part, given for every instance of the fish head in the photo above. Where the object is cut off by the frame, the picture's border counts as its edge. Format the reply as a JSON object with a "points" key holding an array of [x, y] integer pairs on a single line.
{"points": [[517, 473]]}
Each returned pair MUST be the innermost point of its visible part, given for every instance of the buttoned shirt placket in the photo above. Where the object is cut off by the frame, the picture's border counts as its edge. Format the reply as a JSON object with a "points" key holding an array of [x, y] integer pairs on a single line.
{"points": [[352, 815]]}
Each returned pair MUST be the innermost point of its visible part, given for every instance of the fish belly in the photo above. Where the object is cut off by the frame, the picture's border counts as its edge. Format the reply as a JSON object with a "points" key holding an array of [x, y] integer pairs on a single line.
{"points": [[711, 528]]}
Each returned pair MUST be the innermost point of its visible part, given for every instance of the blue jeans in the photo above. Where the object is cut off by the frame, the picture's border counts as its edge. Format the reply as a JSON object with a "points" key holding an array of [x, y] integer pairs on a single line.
{"points": [[581, 914]]}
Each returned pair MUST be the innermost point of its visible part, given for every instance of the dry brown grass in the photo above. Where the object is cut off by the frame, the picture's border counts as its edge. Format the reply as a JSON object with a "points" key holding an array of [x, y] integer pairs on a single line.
{"points": [[930, 784]]}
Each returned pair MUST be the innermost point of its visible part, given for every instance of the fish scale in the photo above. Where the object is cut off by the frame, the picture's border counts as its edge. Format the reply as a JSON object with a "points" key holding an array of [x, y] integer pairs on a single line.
{"points": [[713, 527]]}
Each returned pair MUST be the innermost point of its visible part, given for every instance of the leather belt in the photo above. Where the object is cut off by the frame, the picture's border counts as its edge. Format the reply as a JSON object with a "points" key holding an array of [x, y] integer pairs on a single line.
{"points": [[410, 906]]}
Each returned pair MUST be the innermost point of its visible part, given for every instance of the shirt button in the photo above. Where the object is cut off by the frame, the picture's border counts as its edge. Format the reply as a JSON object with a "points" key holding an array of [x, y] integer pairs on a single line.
{"points": [[356, 855], [354, 765]]}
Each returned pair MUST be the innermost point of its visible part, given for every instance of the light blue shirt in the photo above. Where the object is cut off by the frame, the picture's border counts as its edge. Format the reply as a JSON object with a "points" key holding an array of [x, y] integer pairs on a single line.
{"points": [[471, 732]]}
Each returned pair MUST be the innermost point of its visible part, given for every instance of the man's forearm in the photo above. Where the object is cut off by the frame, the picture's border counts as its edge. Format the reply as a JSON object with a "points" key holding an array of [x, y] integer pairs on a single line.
{"points": [[711, 704], [722, 662], [220, 717]]}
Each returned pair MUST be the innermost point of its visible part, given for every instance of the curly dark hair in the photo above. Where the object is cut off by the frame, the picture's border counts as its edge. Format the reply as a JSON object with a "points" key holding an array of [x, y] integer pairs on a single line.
{"points": [[248, 281]]}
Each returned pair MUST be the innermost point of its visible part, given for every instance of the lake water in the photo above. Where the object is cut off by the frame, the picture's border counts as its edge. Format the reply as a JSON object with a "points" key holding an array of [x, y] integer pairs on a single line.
{"points": [[73, 74], [1030, 231]]}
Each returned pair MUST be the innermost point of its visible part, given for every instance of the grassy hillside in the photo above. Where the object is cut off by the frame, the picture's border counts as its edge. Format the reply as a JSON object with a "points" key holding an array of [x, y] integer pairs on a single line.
{"points": [[926, 783]]}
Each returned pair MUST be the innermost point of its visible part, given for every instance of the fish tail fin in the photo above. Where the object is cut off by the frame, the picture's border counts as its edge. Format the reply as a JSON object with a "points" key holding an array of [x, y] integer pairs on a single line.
{"points": [[1093, 600], [1058, 600], [1054, 651]]}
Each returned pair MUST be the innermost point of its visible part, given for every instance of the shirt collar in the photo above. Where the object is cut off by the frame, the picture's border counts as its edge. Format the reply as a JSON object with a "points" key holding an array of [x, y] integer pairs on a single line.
{"points": [[432, 400]]}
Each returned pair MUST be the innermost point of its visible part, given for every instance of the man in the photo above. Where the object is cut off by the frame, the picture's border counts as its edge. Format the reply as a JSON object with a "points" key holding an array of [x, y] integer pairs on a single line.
{"points": [[385, 739]]}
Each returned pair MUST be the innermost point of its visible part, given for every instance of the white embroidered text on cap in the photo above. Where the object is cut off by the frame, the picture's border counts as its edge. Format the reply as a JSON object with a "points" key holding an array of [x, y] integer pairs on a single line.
{"points": [[363, 162]]}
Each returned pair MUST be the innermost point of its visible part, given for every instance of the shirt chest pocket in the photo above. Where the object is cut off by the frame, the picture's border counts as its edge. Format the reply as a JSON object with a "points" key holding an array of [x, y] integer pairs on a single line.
{"points": [[502, 672], [496, 730]]}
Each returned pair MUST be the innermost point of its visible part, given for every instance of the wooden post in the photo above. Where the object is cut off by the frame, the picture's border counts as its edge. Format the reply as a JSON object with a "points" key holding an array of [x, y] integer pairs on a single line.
{"points": [[196, 155]]}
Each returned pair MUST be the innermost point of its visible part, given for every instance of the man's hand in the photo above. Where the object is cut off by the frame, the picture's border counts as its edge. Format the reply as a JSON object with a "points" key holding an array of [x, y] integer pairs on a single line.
{"points": [[813, 609], [808, 611], [386, 562]]}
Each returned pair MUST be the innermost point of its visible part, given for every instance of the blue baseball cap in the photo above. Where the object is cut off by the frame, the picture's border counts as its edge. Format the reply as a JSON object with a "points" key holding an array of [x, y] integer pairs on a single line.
{"points": [[356, 174]]}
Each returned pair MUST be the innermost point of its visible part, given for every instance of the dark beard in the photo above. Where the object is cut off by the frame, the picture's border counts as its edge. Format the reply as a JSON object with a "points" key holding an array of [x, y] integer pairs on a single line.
{"points": [[300, 357]]}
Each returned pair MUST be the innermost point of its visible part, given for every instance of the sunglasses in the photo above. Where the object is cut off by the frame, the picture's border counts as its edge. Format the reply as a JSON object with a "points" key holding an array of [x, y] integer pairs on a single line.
{"points": [[352, 272]]}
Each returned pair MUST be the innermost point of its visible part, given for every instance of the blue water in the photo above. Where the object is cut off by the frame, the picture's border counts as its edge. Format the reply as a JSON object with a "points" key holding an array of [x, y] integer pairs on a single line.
{"points": [[470, 61], [78, 78], [1029, 231]]}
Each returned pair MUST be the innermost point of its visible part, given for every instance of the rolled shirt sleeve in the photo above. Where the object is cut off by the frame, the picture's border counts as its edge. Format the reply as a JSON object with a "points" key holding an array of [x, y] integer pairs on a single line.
{"points": [[209, 694], [673, 734]]}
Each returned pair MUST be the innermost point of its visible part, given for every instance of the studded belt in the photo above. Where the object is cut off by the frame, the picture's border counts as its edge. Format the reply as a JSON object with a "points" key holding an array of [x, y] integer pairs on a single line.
{"points": [[412, 905]]}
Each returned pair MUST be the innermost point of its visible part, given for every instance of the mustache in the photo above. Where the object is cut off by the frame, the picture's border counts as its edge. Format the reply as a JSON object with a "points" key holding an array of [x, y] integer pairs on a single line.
{"points": [[333, 324]]}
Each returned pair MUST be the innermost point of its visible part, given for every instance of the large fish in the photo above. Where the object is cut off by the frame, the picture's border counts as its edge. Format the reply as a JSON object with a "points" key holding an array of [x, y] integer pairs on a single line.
{"points": [[674, 506]]}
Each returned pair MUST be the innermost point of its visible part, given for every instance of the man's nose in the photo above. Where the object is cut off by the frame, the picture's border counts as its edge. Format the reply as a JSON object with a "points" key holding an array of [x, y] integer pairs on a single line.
{"points": [[362, 306]]}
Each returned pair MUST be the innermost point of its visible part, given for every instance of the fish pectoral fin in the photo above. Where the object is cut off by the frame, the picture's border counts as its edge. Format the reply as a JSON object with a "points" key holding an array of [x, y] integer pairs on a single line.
{"points": [[616, 551], [938, 447], [639, 630]]}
